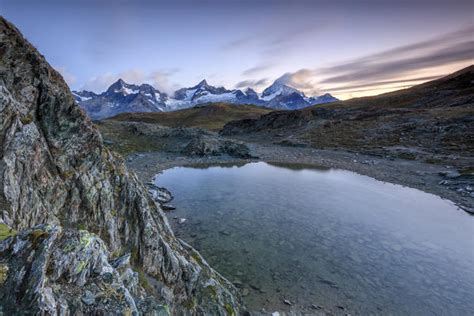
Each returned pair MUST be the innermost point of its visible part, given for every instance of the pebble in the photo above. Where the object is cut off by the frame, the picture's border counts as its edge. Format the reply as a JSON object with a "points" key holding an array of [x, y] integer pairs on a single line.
{"points": [[182, 220], [287, 302], [88, 298], [167, 207]]}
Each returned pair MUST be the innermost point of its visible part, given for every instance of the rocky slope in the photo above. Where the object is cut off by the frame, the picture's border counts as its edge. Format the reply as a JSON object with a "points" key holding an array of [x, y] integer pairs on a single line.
{"points": [[90, 237], [122, 97], [435, 118]]}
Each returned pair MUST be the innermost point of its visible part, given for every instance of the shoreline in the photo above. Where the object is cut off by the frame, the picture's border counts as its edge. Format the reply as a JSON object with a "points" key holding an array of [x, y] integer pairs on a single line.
{"points": [[443, 181]]}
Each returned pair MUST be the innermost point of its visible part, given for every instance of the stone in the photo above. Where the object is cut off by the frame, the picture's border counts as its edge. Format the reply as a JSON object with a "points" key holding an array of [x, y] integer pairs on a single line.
{"points": [[167, 207], [88, 298]]}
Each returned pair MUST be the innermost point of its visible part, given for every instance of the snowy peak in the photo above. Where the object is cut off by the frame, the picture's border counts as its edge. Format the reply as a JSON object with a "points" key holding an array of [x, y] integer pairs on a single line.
{"points": [[279, 89], [203, 83], [124, 97], [122, 87]]}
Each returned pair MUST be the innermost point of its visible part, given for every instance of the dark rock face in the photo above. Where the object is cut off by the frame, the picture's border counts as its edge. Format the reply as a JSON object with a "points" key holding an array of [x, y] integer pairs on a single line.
{"points": [[54, 170], [212, 146]]}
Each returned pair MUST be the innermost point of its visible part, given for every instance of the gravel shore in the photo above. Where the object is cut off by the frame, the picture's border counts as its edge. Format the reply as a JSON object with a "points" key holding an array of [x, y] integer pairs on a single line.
{"points": [[442, 180]]}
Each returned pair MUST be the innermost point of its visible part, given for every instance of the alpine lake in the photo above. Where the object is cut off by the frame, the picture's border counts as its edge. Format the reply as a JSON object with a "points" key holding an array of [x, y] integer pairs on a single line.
{"points": [[325, 239]]}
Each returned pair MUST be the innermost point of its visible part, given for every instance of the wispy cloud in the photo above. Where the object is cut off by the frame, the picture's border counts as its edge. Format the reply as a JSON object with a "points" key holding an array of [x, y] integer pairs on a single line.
{"points": [[159, 79], [384, 83], [405, 60], [303, 80], [252, 83], [275, 43], [257, 69]]}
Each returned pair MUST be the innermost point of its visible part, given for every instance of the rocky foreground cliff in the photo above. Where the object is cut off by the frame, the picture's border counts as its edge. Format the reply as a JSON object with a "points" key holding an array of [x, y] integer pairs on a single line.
{"points": [[79, 233]]}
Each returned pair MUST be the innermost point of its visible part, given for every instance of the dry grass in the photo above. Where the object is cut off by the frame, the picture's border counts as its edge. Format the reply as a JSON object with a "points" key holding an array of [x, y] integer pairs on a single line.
{"points": [[210, 116]]}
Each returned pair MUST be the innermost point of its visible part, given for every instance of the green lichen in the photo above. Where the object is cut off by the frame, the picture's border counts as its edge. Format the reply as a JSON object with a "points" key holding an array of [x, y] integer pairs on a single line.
{"points": [[80, 267], [142, 279], [6, 232], [212, 289], [68, 247], [229, 309], [167, 309], [86, 238], [113, 212], [3, 273], [197, 258]]}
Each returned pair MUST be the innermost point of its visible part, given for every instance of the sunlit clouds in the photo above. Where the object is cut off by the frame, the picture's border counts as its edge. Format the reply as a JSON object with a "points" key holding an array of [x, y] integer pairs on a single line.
{"points": [[346, 48]]}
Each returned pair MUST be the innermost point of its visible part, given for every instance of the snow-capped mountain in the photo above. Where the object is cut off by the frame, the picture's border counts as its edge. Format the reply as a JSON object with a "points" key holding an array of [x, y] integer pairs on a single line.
{"points": [[122, 97]]}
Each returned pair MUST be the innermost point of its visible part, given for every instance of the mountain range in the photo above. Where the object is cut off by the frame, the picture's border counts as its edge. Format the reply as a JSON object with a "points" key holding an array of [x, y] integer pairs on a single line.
{"points": [[122, 97]]}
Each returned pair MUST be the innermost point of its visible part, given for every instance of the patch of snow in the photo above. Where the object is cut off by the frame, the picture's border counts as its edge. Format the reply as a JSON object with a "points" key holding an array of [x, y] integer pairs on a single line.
{"points": [[228, 96], [271, 96], [81, 97], [190, 94], [126, 91]]}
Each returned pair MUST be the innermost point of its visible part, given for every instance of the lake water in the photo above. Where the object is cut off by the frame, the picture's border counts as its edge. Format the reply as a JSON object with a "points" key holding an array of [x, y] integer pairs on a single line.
{"points": [[326, 237]]}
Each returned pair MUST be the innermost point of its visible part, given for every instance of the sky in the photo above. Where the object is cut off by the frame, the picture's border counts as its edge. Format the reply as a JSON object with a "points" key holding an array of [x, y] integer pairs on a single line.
{"points": [[346, 48]]}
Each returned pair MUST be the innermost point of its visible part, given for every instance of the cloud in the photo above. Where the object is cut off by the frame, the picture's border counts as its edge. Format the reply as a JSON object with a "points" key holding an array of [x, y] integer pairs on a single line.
{"points": [[278, 41], [384, 83], [402, 61], [252, 83], [257, 69], [239, 43], [303, 80], [158, 79], [68, 77]]}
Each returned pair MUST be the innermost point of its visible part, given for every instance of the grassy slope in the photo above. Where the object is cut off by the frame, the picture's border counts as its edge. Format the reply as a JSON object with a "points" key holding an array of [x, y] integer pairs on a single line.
{"points": [[210, 116]]}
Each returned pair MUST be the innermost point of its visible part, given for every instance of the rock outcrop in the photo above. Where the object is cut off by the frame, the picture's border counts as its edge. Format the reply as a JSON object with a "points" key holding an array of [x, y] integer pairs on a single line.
{"points": [[90, 238], [204, 145]]}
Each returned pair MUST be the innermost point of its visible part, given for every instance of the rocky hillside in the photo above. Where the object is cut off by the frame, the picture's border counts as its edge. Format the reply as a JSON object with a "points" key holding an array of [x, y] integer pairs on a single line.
{"points": [[79, 233], [432, 121]]}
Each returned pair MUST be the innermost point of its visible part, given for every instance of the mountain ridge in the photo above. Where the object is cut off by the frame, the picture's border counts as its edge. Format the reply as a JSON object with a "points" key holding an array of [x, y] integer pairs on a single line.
{"points": [[122, 97]]}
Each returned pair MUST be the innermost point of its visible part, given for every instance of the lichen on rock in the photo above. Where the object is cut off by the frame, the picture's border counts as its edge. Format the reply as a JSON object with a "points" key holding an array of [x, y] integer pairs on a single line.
{"points": [[91, 211]]}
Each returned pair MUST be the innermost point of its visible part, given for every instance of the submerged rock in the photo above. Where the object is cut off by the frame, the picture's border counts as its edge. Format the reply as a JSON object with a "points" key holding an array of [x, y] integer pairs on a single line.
{"points": [[55, 170]]}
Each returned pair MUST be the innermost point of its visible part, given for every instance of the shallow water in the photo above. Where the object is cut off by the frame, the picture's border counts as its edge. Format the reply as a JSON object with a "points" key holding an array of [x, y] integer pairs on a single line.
{"points": [[327, 237]]}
